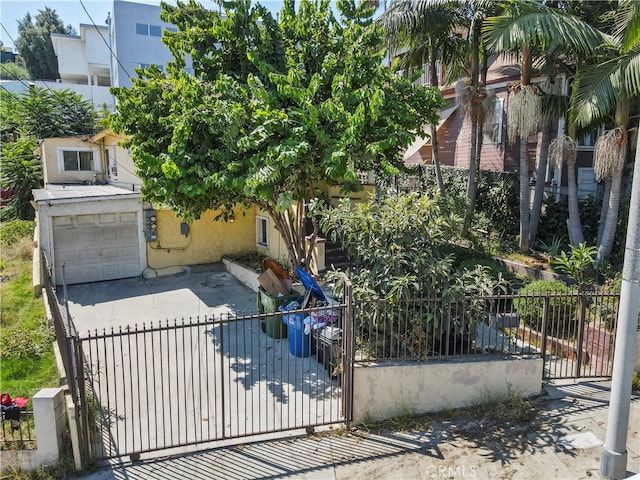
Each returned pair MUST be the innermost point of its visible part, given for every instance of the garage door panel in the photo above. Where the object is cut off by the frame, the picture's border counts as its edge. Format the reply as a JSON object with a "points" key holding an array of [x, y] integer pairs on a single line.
{"points": [[88, 255], [107, 234], [109, 253], [96, 247], [86, 219], [129, 218], [111, 270], [108, 218], [64, 220]]}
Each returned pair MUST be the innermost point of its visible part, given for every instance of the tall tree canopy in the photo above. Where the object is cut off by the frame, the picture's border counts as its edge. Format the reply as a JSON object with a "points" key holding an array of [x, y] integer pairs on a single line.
{"points": [[273, 108], [34, 43]]}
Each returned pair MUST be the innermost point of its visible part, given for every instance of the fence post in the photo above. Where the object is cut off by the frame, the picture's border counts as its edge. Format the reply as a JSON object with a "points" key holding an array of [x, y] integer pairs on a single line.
{"points": [[545, 323], [48, 416], [583, 308], [348, 347]]}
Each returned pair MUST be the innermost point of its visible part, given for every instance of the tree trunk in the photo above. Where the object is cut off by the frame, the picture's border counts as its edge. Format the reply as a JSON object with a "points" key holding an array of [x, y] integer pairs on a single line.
{"points": [[541, 171], [524, 197], [472, 186], [575, 224], [604, 208], [435, 156], [609, 229], [525, 78]]}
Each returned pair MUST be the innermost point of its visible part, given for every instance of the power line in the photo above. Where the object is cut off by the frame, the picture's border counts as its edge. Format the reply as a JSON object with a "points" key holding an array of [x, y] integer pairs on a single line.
{"points": [[104, 40]]}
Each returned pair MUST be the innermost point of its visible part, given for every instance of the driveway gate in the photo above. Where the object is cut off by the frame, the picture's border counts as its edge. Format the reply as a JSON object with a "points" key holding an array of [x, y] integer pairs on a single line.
{"points": [[180, 383]]}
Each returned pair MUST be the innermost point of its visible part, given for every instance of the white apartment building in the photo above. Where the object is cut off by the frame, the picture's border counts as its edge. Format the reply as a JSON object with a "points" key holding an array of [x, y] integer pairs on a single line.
{"points": [[107, 55]]}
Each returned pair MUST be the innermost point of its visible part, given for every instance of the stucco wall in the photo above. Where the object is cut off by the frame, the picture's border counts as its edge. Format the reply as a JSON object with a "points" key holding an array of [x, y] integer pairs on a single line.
{"points": [[51, 168], [207, 241], [382, 391], [124, 174]]}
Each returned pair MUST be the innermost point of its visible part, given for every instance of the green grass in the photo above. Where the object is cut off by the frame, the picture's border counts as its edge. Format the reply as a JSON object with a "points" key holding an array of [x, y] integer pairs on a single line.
{"points": [[26, 342], [635, 381]]}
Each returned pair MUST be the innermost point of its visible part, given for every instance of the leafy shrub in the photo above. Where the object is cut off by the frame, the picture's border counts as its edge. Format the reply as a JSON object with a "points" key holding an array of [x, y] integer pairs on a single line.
{"points": [[578, 264], [14, 230], [492, 268], [563, 307], [398, 247]]}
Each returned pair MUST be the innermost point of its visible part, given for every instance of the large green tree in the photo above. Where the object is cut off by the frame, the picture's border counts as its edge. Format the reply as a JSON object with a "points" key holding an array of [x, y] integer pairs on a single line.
{"points": [[273, 108], [34, 43]]}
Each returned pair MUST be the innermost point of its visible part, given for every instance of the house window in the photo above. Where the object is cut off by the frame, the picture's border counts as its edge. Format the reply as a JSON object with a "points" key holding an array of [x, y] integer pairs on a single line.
{"points": [[78, 160], [492, 130], [262, 231], [588, 140], [142, 29], [171, 29], [155, 30]]}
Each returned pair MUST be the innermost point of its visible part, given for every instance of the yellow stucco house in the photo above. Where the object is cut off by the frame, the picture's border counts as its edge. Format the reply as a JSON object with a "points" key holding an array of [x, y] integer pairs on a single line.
{"points": [[93, 225]]}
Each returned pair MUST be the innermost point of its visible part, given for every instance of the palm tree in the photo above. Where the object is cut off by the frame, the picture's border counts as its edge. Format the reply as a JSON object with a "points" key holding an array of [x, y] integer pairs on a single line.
{"points": [[422, 25], [425, 37], [525, 25], [606, 88]]}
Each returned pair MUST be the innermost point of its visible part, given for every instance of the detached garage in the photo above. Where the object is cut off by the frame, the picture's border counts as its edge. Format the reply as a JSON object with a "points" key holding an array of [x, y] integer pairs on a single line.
{"points": [[94, 231]]}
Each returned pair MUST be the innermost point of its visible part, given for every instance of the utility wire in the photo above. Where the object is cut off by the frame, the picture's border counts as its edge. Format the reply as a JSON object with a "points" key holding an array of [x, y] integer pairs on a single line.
{"points": [[104, 40]]}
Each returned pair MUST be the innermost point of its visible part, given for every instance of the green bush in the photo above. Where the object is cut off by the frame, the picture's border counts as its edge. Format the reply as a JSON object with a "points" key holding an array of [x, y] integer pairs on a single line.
{"points": [[491, 267], [563, 307], [14, 230]]}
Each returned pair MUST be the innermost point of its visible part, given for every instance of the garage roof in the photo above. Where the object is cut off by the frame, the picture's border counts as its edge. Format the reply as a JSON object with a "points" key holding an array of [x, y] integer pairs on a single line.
{"points": [[78, 192]]}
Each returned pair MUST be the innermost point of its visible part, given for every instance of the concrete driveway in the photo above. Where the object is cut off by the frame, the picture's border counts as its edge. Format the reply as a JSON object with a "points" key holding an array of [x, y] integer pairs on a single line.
{"points": [[198, 292], [152, 345]]}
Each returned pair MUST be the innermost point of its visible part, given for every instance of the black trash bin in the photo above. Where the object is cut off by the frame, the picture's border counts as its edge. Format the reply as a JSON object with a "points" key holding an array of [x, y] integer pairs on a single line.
{"points": [[328, 344]]}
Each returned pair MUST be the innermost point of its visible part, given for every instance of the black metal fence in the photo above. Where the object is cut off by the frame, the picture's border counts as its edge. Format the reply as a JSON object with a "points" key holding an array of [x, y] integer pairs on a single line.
{"points": [[18, 434], [71, 355], [573, 332], [193, 381]]}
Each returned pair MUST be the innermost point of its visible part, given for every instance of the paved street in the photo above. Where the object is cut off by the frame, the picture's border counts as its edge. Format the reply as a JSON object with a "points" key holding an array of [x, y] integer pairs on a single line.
{"points": [[566, 445]]}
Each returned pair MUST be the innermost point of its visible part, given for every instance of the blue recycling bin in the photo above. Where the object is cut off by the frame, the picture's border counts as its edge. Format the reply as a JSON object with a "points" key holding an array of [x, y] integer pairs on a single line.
{"points": [[299, 342]]}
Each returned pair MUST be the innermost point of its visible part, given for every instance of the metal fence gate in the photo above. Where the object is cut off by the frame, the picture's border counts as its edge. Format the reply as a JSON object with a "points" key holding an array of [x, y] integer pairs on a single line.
{"points": [[188, 382]]}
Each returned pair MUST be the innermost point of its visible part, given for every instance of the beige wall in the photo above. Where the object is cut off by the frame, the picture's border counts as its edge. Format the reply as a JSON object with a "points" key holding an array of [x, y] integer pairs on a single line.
{"points": [[52, 173], [207, 241], [124, 174], [277, 249], [385, 390]]}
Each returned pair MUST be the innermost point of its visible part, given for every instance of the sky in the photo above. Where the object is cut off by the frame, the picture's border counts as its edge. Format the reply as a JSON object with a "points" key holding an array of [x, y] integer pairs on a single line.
{"points": [[72, 13]]}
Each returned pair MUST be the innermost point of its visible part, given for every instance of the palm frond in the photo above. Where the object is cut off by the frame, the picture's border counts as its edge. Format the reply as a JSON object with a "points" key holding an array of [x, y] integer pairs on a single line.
{"points": [[541, 26], [627, 21], [602, 84]]}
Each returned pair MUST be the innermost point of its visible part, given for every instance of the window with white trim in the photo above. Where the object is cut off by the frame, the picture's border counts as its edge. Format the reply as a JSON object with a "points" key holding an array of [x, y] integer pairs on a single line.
{"points": [[77, 159], [262, 231], [492, 129]]}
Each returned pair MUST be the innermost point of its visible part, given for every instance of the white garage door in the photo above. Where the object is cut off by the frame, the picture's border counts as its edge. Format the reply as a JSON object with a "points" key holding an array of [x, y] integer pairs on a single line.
{"points": [[96, 247]]}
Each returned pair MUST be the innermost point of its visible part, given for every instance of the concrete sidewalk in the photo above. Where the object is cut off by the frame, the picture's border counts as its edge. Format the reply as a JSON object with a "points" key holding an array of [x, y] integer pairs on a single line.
{"points": [[565, 443]]}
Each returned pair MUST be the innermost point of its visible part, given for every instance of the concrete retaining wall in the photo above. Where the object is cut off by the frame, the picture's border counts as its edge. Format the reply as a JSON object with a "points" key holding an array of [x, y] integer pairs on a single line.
{"points": [[382, 391]]}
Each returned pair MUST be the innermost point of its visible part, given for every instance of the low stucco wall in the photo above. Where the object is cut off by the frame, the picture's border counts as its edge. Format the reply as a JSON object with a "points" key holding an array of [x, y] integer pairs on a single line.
{"points": [[383, 391]]}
